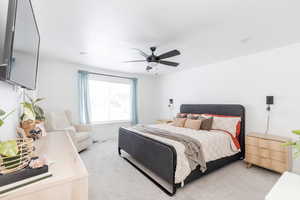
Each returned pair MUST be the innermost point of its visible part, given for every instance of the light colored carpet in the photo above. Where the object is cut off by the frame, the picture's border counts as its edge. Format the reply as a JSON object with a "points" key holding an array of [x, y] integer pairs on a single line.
{"points": [[112, 178]]}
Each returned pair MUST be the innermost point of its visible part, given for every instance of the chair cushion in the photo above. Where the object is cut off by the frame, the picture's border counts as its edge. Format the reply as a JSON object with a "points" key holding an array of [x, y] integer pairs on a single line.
{"points": [[81, 136]]}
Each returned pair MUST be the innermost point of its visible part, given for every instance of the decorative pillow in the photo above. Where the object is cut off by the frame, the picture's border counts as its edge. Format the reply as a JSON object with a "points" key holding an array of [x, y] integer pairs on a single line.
{"points": [[181, 115], [193, 116], [193, 124], [207, 123], [179, 122], [230, 124]]}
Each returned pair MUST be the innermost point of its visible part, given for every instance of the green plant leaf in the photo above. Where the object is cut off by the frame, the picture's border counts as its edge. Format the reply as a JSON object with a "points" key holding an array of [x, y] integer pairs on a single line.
{"points": [[289, 144], [1, 122], [8, 114], [38, 100], [9, 148], [2, 112], [296, 154], [297, 132]]}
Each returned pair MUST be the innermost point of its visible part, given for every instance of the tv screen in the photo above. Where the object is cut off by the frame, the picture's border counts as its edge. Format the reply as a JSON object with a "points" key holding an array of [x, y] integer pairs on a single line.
{"points": [[21, 44]]}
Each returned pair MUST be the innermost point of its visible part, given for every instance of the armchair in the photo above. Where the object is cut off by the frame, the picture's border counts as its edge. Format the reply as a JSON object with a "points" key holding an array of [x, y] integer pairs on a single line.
{"points": [[80, 134]]}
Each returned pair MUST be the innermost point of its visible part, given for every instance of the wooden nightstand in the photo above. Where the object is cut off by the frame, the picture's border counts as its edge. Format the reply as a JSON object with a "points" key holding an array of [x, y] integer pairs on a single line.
{"points": [[163, 121], [267, 151]]}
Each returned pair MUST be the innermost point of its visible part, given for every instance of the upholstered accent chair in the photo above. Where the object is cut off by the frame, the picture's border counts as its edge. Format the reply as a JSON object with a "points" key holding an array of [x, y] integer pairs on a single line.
{"points": [[81, 134]]}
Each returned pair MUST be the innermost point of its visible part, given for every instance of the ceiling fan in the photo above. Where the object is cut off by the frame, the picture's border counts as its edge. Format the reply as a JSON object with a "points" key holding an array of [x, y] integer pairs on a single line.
{"points": [[154, 60]]}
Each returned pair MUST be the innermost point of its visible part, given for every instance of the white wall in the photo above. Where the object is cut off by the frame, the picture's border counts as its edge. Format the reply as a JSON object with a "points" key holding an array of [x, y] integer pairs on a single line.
{"points": [[57, 82], [247, 81], [9, 100]]}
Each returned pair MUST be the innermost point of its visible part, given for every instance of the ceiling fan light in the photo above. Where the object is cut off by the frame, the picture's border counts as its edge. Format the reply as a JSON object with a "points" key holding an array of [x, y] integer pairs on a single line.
{"points": [[153, 64]]}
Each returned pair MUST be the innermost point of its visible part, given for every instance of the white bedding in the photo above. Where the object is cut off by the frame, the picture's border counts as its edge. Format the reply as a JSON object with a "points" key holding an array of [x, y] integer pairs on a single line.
{"points": [[216, 145]]}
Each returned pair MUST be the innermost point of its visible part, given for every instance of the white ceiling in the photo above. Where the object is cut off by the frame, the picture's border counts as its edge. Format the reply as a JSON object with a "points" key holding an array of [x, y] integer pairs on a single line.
{"points": [[205, 31]]}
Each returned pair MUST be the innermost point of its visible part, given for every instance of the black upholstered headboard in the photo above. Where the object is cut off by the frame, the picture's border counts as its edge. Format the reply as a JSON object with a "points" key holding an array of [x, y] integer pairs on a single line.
{"points": [[220, 109]]}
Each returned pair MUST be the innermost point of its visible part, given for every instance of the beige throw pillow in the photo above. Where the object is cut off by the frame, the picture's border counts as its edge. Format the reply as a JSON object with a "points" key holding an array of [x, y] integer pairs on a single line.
{"points": [[193, 124], [179, 122]]}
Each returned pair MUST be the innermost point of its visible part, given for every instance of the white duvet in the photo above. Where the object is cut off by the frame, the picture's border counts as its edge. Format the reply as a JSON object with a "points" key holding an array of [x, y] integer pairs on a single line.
{"points": [[215, 144]]}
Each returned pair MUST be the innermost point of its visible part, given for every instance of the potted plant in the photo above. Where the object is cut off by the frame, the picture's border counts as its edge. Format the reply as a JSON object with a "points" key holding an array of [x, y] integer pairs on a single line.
{"points": [[295, 145], [32, 115], [32, 111]]}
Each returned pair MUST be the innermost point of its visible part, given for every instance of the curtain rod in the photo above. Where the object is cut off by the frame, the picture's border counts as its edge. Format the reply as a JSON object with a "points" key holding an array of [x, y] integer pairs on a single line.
{"points": [[115, 76]]}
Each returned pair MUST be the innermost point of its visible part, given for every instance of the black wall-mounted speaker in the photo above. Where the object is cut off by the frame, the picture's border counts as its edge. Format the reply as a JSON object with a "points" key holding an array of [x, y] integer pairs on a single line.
{"points": [[270, 100]]}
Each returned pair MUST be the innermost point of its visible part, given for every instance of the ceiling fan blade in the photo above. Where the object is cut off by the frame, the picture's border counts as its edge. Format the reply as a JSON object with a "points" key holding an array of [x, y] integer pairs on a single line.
{"points": [[169, 54], [142, 53], [173, 64], [135, 61]]}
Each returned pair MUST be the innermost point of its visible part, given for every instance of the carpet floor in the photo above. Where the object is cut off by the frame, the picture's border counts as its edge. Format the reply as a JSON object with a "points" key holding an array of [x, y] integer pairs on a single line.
{"points": [[112, 178]]}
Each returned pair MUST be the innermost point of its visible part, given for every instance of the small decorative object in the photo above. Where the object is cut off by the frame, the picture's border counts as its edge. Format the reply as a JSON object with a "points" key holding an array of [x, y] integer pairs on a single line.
{"points": [[269, 102], [4, 116], [21, 133], [37, 163], [295, 145], [171, 107], [15, 154]]}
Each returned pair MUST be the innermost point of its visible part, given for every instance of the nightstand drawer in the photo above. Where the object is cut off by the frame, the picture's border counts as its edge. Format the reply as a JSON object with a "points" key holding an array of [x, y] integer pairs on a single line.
{"points": [[277, 146], [251, 149], [252, 159], [279, 166], [265, 162], [263, 143], [279, 156], [265, 153], [252, 141]]}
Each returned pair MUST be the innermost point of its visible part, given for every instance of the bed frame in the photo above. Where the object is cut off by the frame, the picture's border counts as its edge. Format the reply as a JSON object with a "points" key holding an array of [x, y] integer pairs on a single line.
{"points": [[160, 158]]}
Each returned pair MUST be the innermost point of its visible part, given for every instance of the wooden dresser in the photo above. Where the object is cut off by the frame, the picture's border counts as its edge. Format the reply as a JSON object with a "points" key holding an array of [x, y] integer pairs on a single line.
{"points": [[267, 151], [70, 176]]}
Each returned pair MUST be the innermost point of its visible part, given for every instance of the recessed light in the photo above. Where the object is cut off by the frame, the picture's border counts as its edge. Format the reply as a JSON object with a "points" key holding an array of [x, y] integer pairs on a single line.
{"points": [[246, 39], [83, 53]]}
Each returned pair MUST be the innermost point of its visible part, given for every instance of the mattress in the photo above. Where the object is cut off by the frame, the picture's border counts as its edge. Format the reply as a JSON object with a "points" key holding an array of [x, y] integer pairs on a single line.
{"points": [[216, 144]]}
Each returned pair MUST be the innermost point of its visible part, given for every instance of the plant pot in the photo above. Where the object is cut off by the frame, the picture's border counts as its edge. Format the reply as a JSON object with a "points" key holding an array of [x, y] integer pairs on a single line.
{"points": [[15, 163], [28, 126]]}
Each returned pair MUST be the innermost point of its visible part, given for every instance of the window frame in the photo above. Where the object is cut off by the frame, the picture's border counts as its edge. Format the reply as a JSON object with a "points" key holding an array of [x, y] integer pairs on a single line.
{"points": [[112, 79]]}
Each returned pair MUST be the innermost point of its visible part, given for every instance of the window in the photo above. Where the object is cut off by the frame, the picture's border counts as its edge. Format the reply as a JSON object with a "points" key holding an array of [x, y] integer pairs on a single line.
{"points": [[110, 99]]}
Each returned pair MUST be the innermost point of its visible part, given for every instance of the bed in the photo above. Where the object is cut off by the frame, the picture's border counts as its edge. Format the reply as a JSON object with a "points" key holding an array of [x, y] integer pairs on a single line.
{"points": [[161, 157]]}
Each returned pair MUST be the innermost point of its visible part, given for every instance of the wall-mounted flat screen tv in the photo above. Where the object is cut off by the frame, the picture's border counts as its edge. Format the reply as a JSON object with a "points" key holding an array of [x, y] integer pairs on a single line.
{"points": [[21, 48]]}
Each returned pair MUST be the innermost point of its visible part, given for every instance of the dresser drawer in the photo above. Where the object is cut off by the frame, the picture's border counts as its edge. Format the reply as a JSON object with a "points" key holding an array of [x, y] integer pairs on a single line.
{"points": [[265, 162], [277, 146], [272, 145], [250, 158], [279, 166], [265, 153], [263, 143], [251, 149], [252, 141], [279, 156]]}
